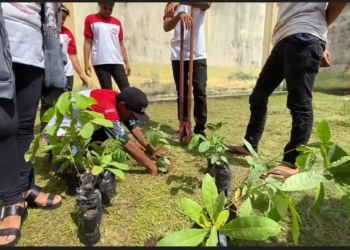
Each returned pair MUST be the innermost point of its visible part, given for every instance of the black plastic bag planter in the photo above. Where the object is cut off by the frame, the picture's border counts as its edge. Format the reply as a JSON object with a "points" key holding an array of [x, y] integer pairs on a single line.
{"points": [[71, 176], [107, 185], [89, 211], [223, 177]]}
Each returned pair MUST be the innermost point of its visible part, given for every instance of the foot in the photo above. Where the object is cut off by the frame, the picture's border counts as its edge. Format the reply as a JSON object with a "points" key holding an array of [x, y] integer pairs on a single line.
{"points": [[238, 150], [15, 222], [280, 172], [41, 199]]}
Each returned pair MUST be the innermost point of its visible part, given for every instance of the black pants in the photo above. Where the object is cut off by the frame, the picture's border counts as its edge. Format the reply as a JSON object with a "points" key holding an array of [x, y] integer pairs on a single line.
{"points": [[17, 132], [299, 65], [199, 91], [50, 95], [105, 72]]}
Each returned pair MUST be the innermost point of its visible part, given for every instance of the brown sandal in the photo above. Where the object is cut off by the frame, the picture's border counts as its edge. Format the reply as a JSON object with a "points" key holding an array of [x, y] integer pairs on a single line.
{"points": [[235, 151]]}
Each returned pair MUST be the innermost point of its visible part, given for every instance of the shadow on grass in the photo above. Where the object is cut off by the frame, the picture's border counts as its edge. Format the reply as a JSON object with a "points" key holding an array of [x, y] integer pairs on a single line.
{"points": [[165, 127], [184, 183], [43, 170]]}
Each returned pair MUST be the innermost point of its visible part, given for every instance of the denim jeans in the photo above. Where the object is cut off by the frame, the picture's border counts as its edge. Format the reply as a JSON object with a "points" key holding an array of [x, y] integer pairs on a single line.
{"points": [[298, 64]]}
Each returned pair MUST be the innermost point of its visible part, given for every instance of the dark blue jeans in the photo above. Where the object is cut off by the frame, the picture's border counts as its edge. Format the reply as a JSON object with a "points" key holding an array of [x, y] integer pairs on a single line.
{"points": [[298, 64]]}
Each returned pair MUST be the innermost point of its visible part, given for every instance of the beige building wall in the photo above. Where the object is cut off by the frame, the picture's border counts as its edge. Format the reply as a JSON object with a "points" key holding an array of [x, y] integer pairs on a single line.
{"points": [[238, 43], [234, 32]]}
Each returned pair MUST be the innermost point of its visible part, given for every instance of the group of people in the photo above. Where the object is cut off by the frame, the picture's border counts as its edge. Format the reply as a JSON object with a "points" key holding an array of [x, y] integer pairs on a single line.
{"points": [[39, 55]]}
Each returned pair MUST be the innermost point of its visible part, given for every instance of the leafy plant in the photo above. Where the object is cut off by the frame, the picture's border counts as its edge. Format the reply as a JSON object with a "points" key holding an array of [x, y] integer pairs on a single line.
{"points": [[211, 147], [115, 149], [158, 139], [271, 196], [213, 219], [102, 159], [71, 136]]}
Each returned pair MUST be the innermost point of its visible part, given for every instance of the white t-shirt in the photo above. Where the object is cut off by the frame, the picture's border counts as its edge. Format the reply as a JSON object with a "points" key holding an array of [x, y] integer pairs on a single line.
{"points": [[68, 47], [23, 25], [199, 36], [295, 18], [106, 35]]}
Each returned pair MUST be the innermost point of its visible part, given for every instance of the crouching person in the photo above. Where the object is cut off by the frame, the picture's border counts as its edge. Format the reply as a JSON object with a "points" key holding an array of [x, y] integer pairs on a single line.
{"points": [[127, 107]]}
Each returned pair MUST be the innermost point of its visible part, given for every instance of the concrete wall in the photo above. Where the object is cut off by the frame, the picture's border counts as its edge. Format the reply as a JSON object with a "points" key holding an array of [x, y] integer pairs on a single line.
{"points": [[234, 32], [234, 37], [337, 77]]}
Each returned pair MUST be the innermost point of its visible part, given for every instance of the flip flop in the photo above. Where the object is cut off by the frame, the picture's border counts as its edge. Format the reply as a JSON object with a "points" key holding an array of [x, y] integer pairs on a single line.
{"points": [[233, 150], [276, 172]]}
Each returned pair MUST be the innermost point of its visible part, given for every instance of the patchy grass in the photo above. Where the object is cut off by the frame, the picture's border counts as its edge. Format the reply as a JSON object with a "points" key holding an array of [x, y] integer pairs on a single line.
{"points": [[146, 206]]}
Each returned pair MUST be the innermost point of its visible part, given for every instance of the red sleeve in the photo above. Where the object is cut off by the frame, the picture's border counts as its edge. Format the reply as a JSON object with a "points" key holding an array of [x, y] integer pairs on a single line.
{"points": [[121, 33], [87, 29], [72, 48]]}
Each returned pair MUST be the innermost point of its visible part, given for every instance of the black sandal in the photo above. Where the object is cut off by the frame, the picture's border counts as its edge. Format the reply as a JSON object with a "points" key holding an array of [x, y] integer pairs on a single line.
{"points": [[276, 172], [34, 193], [11, 211]]}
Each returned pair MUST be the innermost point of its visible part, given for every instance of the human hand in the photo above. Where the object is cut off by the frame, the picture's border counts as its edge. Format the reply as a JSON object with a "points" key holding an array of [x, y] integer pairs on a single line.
{"points": [[186, 20], [84, 79], [128, 70], [88, 69], [170, 9], [325, 61], [160, 152]]}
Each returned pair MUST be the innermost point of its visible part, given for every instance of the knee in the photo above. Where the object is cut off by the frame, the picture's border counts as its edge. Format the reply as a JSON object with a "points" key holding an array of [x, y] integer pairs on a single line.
{"points": [[258, 100]]}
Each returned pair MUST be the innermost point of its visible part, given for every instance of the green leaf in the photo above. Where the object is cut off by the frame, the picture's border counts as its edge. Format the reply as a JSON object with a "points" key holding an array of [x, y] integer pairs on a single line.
{"points": [[295, 222], [118, 165], [185, 238], [250, 148], [335, 153], [303, 181], [48, 114], [252, 228], [204, 146], [280, 204], [323, 131], [344, 197], [340, 167], [103, 122], [117, 173], [210, 194], [86, 130], [272, 212], [219, 205], [96, 170], [83, 102], [192, 209], [213, 238], [222, 218], [194, 142], [63, 102], [306, 160], [33, 149], [106, 159], [319, 198], [246, 208]]}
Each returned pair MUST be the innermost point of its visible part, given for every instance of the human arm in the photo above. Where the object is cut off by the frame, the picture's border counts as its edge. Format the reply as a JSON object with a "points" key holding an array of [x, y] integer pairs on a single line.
{"points": [[171, 22], [72, 53], [88, 34], [199, 5], [333, 11], [131, 147], [123, 50], [140, 138]]}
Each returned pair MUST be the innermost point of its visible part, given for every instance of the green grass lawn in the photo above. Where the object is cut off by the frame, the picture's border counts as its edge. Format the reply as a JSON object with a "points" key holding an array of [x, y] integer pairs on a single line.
{"points": [[147, 206]]}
